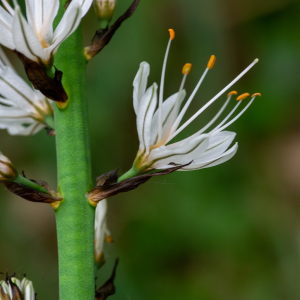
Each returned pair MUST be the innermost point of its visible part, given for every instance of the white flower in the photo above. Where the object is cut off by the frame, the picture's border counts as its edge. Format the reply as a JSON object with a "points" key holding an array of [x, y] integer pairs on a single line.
{"points": [[101, 231], [25, 289], [23, 110], [157, 127], [34, 37]]}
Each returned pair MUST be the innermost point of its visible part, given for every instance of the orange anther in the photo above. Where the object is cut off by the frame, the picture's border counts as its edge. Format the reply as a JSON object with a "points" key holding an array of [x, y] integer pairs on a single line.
{"points": [[256, 94], [172, 34], [211, 62], [187, 68], [232, 93], [243, 96], [109, 239]]}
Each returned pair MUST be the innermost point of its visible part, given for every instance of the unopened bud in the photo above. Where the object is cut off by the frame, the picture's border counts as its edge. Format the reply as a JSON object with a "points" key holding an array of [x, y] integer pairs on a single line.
{"points": [[104, 10], [7, 170]]}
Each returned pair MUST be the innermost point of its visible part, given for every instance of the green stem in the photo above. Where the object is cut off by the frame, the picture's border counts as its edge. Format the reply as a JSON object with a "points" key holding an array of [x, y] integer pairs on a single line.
{"points": [[22, 180], [130, 173], [74, 217]]}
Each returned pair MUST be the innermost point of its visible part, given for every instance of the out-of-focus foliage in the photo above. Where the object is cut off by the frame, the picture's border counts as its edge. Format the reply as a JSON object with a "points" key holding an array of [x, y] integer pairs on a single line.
{"points": [[228, 232]]}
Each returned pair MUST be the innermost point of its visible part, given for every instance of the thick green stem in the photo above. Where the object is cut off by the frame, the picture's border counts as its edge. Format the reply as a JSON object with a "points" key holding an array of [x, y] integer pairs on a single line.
{"points": [[22, 180], [74, 217]]}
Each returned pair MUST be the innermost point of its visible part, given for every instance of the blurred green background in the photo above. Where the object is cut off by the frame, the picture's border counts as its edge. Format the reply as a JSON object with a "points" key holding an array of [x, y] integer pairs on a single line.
{"points": [[227, 232]]}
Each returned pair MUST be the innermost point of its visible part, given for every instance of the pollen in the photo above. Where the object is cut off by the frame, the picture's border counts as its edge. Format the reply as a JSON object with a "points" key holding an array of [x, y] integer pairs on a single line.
{"points": [[242, 97], [256, 94], [211, 62], [172, 34], [187, 68], [232, 93]]}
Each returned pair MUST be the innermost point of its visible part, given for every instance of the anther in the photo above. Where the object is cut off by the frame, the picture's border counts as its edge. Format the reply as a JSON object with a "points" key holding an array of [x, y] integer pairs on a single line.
{"points": [[211, 62], [172, 34], [232, 93], [242, 97], [187, 68], [256, 94]]}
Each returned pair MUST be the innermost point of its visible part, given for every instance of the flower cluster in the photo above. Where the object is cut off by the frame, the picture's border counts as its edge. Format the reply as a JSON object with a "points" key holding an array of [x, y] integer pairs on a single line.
{"points": [[23, 110], [34, 37], [158, 127], [14, 289]]}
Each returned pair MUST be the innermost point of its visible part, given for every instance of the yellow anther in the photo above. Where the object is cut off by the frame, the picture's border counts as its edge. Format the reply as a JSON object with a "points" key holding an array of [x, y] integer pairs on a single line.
{"points": [[211, 62], [242, 97], [232, 93], [187, 68], [172, 34], [256, 94], [109, 239]]}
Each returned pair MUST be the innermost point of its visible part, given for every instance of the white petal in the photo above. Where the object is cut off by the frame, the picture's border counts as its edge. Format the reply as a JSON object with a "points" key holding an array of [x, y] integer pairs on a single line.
{"points": [[14, 87], [217, 146], [6, 21], [11, 112], [223, 158], [167, 108], [100, 225], [29, 293], [25, 40], [140, 84], [68, 24], [22, 130], [178, 155], [144, 116], [84, 4]]}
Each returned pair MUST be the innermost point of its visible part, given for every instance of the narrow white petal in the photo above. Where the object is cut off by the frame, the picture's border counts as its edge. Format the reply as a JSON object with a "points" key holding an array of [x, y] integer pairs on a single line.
{"points": [[68, 24], [16, 89], [4, 61], [100, 225], [22, 130], [8, 7], [144, 116], [218, 144], [29, 293], [84, 4], [221, 159], [12, 112], [179, 154], [6, 21], [140, 84], [25, 40], [167, 109]]}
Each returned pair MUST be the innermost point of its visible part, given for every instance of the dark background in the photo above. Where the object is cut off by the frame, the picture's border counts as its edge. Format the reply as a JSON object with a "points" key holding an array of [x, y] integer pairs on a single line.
{"points": [[227, 232]]}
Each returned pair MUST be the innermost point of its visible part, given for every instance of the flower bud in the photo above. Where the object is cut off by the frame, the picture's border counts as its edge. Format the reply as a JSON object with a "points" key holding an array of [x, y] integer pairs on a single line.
{"points": [[104, 10], [7, 170]]}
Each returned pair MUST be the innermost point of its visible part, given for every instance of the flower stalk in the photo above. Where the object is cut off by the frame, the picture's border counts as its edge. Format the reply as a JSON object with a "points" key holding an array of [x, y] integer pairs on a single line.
{"points": [[75, 216]]}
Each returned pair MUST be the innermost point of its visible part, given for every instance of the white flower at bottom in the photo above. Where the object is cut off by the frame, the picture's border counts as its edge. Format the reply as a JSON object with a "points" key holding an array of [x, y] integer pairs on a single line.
{"points": [[12, 289], [23, 110], [157, 127], [102, 233]]}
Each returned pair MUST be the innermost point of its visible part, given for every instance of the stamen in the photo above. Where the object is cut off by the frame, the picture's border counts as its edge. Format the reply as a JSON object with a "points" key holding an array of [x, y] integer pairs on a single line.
{"points": [[211, 62], [213, 99], [187, 104], [235, 118], [187, 68], [216, 116], [242, 97], [232, 93], [172, 34], [161, 90], [227, 117], [256, 94]]}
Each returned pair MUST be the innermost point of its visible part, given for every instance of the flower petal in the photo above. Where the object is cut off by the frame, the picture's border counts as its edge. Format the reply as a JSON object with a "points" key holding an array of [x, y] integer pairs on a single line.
{"points": [[144, 117], [6, 21], [68, 24], [140, 84], [14, 87], [29, 130], [167, 109], [84, 4], [221, 159], [165, 156], [25, 40]]}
